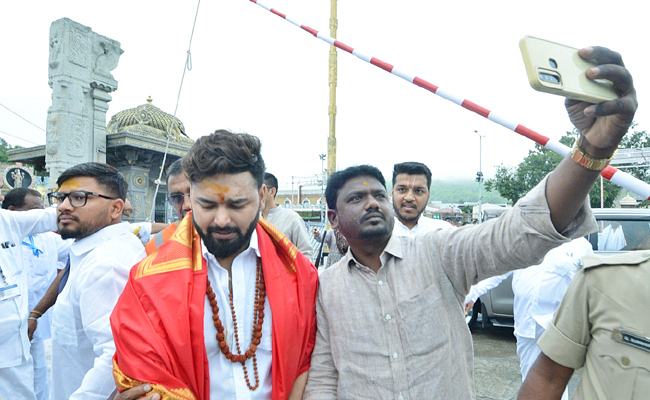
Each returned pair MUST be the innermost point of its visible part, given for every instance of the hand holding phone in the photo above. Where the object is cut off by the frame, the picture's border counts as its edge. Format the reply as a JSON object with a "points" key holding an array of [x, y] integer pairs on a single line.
{"points": [[558, 69]]}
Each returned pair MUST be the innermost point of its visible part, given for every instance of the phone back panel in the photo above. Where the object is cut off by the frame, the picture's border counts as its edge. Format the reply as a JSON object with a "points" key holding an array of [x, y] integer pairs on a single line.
{"points": [[558, 69]]}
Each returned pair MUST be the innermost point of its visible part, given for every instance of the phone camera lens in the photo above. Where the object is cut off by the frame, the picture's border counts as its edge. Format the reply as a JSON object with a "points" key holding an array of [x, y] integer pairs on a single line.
{"points": [[552, 63], [549, 78]]}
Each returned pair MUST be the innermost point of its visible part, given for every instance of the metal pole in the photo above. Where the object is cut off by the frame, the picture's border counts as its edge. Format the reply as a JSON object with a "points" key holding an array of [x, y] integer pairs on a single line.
{"points": [[479, 177], [602, 192], [322, 187], [331, 140]]}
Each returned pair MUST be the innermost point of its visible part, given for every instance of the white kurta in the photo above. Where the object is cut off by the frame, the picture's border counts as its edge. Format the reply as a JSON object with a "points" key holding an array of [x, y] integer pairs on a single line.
{"points": [[227, 378], [423, 226], [82, 341], [15, 359]]}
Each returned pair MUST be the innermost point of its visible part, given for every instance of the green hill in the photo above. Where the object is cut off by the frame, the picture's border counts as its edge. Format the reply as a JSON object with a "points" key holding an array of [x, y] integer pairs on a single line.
{"points": [[461, 191]]}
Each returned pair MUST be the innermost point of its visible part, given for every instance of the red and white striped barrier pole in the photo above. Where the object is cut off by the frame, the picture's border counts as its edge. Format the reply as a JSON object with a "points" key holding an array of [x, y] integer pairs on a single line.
{"points": [[613, 174]]}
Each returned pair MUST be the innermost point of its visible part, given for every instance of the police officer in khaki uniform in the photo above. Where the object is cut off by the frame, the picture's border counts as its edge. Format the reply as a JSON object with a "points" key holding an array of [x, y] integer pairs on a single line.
{"points": [[603, 326]]}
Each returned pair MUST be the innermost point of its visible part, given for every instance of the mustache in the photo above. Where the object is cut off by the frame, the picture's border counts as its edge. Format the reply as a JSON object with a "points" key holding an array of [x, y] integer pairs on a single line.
{"points": [[68, 214], [372, 214], [226, 229], [409, 203]]}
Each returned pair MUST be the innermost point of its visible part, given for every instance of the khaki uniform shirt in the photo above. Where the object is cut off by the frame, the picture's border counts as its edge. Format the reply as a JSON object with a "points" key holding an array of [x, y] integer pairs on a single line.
{"points": [[401, 333], [603, 325]]}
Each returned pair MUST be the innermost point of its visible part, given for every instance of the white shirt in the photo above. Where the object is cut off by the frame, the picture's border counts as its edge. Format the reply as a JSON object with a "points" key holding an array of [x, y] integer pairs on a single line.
{"points": [[48, 254], [424, 225], [484, 286], [611, 239], [227, 378], [539, 289], [14, 226], [82, 340]]}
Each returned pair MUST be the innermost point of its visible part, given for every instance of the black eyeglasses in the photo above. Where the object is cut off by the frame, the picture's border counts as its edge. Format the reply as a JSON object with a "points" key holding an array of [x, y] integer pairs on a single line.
{"points": [[77, 198], [176, 199]]}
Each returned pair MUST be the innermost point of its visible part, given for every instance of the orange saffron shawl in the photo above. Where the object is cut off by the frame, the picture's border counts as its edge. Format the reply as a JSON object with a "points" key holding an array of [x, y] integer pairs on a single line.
{"points": [[158, 320]]}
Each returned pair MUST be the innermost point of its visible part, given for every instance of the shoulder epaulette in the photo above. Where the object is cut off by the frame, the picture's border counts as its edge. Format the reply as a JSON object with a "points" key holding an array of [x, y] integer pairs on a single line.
{"points": [[629, 259]]}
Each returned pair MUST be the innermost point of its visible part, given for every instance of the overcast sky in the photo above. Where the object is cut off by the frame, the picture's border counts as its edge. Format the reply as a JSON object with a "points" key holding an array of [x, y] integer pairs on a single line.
{"points": [[254, 72]]}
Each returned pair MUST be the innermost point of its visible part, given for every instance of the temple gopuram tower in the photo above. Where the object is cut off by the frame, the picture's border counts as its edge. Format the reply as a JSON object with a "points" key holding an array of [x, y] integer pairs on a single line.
{"points": [[135, 144]]}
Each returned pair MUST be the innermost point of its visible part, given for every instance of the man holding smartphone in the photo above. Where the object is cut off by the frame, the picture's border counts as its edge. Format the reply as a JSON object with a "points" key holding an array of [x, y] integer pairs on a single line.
{"points": [[406, 328]]}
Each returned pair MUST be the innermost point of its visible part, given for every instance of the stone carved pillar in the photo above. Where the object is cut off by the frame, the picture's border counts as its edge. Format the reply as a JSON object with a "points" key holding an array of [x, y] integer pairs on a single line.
{"points": [[80, 66]]}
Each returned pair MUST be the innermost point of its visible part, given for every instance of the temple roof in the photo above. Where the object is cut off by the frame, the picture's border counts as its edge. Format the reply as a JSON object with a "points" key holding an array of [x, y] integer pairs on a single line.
{"points": [[146, 118]]}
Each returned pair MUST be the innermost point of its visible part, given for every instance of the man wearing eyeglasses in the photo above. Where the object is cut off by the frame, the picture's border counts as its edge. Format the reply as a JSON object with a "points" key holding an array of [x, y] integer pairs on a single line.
{"points": [[178, 187], [90, 200]]}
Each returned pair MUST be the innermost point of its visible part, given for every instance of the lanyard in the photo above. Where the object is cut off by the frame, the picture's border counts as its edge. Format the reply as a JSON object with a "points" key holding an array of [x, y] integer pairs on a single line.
{"points": [[35, 250]]}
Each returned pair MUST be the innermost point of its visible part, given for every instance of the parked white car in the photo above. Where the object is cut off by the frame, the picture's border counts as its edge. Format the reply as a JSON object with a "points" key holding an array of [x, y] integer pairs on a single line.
{"points": [[619, 230]]}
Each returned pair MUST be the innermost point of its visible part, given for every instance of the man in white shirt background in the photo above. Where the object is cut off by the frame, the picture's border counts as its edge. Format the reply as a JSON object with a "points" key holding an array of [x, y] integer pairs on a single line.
{"points": [[90, 200], [16, 365], [42, 255], [411, 183], [538, 291]]}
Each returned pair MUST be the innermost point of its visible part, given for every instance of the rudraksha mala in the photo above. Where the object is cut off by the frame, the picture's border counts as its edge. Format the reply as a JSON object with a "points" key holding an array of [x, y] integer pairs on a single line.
{"points": [[258, 320]]}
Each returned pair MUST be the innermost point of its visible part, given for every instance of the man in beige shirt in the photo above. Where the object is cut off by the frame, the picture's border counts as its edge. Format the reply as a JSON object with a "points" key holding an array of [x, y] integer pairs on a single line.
{"points": [[601, 327], [286, 220], [390, 313]]}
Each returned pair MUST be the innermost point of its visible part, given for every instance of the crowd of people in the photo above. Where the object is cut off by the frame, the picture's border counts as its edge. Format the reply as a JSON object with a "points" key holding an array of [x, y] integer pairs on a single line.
{"points": [[226, 303]]}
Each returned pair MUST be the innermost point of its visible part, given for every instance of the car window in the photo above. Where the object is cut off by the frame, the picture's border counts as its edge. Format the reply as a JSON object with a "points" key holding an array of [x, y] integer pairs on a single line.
{"points": [[620, 235]]}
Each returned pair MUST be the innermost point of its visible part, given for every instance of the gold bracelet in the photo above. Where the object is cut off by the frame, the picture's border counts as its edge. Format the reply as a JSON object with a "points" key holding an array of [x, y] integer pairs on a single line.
{"points": [[36, 312], [582, 158]]}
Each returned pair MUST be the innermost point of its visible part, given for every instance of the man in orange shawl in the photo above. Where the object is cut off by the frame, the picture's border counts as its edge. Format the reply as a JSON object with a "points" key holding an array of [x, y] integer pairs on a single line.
{"points": [[183, 323]]}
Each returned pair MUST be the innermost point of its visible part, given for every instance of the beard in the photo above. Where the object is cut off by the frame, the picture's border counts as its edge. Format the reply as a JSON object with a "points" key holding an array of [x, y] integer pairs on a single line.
{"points": [[226, 248], [374, 232], [68, 233], [82, 230], [377, 229], [404, 218]]}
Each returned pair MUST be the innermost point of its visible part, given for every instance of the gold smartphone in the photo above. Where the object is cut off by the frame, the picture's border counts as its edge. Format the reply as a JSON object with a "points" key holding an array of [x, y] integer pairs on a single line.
{"points": [[558, 69]]}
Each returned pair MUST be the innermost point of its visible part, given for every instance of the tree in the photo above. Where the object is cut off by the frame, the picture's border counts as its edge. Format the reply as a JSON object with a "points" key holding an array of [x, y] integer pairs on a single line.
{"points": [[637, 140], [513, 183], [4, 147], [467, 209]]}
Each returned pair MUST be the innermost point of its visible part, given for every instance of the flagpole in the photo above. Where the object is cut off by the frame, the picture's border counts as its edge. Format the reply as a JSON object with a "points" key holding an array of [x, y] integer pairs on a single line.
{"points": [[333, 66]]}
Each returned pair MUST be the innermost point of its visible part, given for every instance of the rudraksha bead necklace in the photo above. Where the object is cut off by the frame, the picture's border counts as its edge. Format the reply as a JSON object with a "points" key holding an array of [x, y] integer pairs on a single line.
{"points": [[258, 320]]}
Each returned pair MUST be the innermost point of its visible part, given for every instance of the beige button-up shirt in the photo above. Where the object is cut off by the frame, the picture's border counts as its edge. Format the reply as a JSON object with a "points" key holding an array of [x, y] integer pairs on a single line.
{"points": [[400, 333], [602, 324]]}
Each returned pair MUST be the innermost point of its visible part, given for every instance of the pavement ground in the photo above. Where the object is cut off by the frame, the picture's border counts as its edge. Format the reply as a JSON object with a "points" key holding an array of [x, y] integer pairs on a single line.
{"points": [[496, 365]]}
